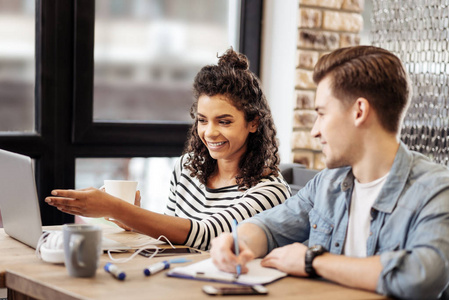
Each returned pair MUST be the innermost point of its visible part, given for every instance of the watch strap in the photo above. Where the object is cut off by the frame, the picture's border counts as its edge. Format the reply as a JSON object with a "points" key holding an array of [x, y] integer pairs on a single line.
{"points": [[311, 254]]}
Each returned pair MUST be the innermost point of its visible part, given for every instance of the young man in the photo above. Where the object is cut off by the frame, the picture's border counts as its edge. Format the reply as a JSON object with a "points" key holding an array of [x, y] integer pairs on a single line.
{"points": [[378, 217]]}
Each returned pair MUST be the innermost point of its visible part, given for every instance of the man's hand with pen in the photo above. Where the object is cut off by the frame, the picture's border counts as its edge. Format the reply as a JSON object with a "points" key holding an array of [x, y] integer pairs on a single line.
{"points": [[224, 256], [252, 243]]}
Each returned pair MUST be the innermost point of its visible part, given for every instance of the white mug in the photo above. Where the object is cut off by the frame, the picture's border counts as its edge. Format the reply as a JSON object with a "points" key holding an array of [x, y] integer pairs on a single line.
{"points": [[123, 189]]}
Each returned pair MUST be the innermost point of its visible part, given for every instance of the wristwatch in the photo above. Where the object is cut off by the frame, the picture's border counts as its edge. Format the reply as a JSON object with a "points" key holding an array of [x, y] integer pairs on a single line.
{"points": [[311, 253]]}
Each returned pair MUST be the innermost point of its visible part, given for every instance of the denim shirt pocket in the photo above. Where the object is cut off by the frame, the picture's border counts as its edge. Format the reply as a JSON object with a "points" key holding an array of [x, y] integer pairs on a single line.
{"points": [[320, 230]]}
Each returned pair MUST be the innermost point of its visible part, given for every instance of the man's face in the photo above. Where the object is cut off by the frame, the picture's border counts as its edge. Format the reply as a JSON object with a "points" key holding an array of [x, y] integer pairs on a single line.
{"points": [[334, 127]]}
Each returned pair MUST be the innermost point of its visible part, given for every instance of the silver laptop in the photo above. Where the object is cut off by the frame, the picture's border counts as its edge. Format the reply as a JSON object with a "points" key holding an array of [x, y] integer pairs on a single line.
{"points": [[19, 204]]}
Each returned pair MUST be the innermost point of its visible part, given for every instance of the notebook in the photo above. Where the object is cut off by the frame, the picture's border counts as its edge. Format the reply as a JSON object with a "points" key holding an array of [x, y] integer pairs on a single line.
{"points": [[207, 271], [19, 204]]}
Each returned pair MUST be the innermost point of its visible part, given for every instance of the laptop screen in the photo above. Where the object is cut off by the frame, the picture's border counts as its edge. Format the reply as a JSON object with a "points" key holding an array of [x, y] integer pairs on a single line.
{"points": [[19, 204]]}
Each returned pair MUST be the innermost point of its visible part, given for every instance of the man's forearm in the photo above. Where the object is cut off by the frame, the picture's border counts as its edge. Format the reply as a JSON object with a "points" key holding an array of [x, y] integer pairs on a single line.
{"points": [[354, 272], [254, 237]]}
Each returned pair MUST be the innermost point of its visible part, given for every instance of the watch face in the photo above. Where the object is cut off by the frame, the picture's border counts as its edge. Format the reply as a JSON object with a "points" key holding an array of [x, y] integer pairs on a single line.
{"points": [[317, 248]]}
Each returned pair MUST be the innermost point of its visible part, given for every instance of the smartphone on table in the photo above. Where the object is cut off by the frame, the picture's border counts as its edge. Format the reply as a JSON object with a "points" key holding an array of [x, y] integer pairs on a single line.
{"points": [[235, 290], [169, 251]]}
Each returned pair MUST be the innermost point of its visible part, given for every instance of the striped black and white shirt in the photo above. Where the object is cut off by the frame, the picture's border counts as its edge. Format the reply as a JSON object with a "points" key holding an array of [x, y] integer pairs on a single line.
{"points": [[211, 211]]}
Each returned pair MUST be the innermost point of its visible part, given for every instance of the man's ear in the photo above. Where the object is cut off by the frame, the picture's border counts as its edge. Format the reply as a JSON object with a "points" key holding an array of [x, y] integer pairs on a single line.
{"points": [[254, 124], [362, 109]]}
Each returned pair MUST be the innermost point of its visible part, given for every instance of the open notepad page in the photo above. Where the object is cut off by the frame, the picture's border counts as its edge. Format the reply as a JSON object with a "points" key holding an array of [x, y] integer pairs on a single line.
{"points": [[206, 270]]}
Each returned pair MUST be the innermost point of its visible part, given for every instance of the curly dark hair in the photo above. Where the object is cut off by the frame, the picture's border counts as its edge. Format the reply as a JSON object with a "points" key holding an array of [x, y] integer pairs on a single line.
{"points": [[233, 79]]}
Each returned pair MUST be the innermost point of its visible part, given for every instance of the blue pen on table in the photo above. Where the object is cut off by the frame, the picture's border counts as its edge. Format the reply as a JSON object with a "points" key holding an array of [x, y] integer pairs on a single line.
{"points": [[238, 268], [157, 267], [115, 271]]}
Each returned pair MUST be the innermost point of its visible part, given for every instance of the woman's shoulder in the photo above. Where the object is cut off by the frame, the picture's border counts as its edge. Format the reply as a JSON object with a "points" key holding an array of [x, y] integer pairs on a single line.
{"points": [[272, 180], [183, 173], [181, 162], [271, 189]]}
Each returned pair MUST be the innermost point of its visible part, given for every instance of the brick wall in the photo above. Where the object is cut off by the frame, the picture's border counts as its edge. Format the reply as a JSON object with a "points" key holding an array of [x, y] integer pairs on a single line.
{"points": [[324, 25]]}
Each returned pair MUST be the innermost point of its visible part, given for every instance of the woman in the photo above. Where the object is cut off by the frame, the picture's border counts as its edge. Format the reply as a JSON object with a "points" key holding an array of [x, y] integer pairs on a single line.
{"points": [[229, 169]]}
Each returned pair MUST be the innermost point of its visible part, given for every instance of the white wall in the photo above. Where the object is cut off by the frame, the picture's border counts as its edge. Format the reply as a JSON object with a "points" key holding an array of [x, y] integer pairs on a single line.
{"points": [[278, 62], [365, 34]]}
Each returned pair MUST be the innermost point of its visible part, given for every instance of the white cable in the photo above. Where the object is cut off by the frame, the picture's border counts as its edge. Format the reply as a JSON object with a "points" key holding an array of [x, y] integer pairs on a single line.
{"points": [[40, 242], [44, 237], [142, 247]]}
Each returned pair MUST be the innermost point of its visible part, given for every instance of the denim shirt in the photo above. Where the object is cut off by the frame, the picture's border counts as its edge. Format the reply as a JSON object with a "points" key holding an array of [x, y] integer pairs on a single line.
{"points": [[409, 223]]}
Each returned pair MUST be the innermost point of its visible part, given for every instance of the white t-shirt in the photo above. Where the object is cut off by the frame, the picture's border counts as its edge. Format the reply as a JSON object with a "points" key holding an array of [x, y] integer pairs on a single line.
{"points": [[363, 197]]}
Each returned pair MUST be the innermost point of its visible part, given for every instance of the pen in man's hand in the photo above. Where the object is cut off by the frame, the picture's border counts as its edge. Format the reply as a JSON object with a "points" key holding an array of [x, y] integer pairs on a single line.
{"points": [[236, 247]]}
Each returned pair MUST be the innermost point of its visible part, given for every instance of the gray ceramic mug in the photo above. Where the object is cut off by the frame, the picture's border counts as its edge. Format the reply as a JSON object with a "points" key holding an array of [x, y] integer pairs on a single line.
{"points": [[82, 249]]}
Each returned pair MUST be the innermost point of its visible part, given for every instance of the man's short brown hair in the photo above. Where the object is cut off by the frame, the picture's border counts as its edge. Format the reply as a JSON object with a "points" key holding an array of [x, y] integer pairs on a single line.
{"points": [[372, 73]]}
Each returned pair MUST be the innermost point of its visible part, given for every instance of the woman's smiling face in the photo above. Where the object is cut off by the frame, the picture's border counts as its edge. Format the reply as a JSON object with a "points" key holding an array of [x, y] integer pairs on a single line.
{"points": [[222, 127]]}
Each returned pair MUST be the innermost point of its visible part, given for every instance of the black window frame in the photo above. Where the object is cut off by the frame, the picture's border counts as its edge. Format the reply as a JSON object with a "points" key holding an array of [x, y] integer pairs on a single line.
{"points": [[65, 129]]}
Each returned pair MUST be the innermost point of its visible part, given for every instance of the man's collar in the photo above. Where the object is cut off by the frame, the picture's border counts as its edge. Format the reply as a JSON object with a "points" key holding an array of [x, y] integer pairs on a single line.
{"points": [[394, 184], [396, 180]]}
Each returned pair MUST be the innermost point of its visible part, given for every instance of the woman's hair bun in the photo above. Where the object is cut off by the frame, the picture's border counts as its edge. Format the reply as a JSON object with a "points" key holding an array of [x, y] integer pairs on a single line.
{"points": [[232, 59]]}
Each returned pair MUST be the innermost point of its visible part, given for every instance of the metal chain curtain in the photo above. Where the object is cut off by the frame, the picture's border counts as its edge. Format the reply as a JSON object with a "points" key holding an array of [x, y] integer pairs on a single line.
{"points": [[418, 32]]}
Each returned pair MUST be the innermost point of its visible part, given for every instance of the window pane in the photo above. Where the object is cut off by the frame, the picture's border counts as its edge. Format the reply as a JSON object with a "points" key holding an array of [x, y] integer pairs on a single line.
{"points": [[17, 73], [147, 53], [153, 175]]}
